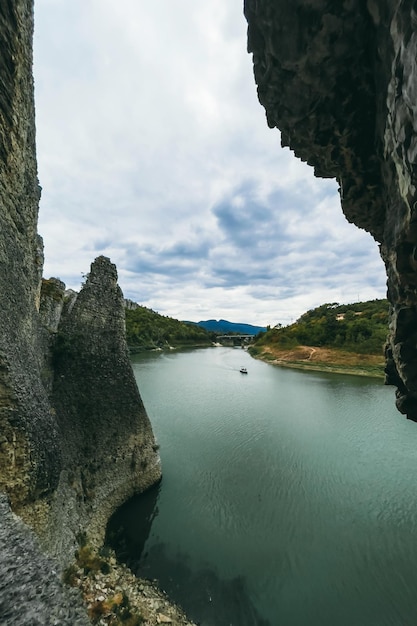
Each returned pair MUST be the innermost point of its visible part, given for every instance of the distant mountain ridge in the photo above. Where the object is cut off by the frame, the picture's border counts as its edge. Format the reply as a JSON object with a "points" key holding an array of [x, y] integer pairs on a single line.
{"points": [[225, 327]]}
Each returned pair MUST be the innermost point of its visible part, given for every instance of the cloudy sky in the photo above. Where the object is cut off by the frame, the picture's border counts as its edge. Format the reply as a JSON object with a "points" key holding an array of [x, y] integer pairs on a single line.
{"points": [[153, 150]]}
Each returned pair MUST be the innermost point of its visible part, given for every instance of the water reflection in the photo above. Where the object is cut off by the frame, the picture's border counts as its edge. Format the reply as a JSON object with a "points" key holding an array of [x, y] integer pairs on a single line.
{"points": [[206, 598], [129, 527]]}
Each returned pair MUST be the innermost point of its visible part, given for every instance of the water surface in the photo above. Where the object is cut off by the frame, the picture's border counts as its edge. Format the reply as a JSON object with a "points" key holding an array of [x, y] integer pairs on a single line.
{"points": [[288, 497]]}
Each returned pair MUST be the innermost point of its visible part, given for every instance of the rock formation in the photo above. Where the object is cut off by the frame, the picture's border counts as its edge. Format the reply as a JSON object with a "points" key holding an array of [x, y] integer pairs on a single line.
{"points": [[110, 452], [31, 590], [339, 79], [75, 440]]}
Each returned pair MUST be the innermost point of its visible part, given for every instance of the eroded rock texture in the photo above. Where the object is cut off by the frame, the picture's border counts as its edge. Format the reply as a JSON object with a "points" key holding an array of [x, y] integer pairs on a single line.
{"points": [[75, 440], [110, 452], [30, 457], [31, 590], [339, 79]]}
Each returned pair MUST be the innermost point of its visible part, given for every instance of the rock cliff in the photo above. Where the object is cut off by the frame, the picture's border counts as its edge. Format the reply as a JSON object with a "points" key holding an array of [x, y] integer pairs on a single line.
{"points": [[339, 79], [31, 590], [110, 452], [75, 440]]}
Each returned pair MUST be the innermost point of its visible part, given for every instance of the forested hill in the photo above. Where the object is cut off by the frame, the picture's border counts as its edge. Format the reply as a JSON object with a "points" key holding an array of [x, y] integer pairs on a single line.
{"points": [[148, 330], [361, 327]]}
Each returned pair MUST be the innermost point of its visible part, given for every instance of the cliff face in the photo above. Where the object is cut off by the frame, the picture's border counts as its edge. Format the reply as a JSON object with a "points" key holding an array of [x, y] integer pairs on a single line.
{"points": [[31, 590], [110, 452], [75, 440], [340, 82], [30, 456]]}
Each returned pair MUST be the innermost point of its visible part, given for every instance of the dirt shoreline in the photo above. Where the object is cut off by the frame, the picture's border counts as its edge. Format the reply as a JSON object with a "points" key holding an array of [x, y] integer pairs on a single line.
{"points": [[315, 358]]}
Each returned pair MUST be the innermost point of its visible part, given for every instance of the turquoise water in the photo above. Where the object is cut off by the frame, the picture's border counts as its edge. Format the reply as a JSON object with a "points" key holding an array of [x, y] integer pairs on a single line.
{"points": [[288, 497]]}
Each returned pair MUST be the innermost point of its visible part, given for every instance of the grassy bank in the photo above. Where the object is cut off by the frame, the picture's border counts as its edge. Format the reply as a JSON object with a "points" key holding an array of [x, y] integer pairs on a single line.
{"points": [[322, 360]]}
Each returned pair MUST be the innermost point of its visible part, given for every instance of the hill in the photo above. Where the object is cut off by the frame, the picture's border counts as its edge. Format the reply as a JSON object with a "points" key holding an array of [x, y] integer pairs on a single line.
{"points": [[223, 327], [148, 330], [331, 336]]}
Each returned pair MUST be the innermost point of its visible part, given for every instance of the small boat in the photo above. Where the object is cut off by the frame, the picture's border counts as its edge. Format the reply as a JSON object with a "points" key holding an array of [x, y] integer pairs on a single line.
{"points": [[243, 370]]}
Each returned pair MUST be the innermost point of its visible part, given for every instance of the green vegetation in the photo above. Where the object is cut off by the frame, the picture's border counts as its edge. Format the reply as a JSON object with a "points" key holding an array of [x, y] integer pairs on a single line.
{"points": [[92, 571], [148, 330], [360, 328], [116, 610]]}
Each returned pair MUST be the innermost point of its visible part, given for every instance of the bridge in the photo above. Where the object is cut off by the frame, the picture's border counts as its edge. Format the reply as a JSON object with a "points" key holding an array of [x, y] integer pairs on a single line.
{"points": [[235, 339]]}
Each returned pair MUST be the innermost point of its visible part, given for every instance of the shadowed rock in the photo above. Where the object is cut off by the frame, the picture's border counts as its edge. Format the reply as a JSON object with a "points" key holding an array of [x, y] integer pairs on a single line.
{"points": [[110, 451], [339, 81]]}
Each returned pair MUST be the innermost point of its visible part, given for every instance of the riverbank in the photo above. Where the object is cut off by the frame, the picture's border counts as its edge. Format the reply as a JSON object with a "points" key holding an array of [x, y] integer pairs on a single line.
{"points": [[95, 589], [322, 360], [134, 349], [114, 596]]}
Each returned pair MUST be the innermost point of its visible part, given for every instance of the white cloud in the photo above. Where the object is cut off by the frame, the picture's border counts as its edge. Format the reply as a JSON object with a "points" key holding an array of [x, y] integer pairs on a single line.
{"points": [[153, 150]]}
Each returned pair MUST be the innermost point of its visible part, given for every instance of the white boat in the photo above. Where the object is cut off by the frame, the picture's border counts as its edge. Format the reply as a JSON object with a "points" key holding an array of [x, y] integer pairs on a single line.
{"points": [[243, 370]]}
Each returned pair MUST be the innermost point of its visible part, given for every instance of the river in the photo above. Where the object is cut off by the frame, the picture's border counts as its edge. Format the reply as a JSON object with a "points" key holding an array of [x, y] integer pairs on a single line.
{"points": [[289, 498]]}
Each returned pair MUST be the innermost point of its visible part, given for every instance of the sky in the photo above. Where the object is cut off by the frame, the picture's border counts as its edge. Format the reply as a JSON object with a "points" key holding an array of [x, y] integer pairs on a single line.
{"points": [[153, 150]]}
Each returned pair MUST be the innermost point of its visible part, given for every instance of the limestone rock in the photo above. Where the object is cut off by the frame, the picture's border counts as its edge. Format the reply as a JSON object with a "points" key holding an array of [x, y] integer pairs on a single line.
{"points": [[30, 455], [110, 452], [51, 303], [31, 591], [75, 440], [339, 81]]}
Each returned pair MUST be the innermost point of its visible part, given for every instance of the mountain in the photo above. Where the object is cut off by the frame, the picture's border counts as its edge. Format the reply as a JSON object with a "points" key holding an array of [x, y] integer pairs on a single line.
{"points": [[224, 327]]}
